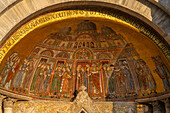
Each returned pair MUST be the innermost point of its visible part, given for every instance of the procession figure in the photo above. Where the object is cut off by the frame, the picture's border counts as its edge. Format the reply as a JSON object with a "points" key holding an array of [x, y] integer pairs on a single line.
{"points": [[29, 72], [47, 79], [40, 79], [128, 77], [12, 73], [20, 75], [107, 74], [56, 80], [65, 87], [122, 84], [10, 68], [150, 81], [37, 78], [95, 73], [83, 73], [162, 71], [142, 75], [111, 83]]}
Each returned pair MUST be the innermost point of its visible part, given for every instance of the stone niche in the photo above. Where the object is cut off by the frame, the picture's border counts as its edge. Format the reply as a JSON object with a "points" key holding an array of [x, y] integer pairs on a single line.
{"points": [[82, 104]]}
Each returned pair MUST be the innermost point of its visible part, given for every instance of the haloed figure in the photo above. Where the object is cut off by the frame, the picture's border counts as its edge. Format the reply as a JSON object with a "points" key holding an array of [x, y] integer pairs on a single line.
{"points": [[162, 71]]}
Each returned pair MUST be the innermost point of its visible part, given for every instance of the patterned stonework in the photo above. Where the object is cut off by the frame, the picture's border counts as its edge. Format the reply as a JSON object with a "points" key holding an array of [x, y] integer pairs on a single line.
{"points": [[81, 103]]}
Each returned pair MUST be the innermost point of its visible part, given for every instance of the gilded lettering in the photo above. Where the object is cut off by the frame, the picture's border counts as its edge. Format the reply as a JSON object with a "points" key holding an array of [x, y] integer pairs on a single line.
{"points": [[98, 13], [37, 22], [91, 12], [60, 14], [1, 55], [31, 25], [86, 12], [69, 13], [8, 43], [75, 12], [26, 28], [52, 17], [41, 20], [22, 31], [13, 40], [3, 50], [16, 36], [157, 41], [47, 18]]}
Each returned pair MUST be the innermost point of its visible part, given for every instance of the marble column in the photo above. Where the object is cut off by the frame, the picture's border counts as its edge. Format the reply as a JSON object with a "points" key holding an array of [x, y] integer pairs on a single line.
{"points": [[156, 107], [8, 105], [1, 99], [167, 105]]}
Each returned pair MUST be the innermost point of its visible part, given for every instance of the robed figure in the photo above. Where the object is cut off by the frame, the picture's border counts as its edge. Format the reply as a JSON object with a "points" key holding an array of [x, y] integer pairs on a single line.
{"points": [[162, 71]]}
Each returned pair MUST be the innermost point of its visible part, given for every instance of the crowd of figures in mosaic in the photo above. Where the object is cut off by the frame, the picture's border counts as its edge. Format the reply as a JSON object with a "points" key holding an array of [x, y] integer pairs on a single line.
{"points": [[104, 63]]}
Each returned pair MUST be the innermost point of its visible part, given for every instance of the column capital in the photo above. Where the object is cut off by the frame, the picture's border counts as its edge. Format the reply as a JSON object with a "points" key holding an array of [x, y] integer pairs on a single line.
{"points": [[167, 100], [9, 102], [167, 104], [156, 107], [2, 97]]}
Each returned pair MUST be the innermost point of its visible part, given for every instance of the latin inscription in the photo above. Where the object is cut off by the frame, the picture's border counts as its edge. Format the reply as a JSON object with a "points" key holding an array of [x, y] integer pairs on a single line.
{"points": [[51, 17]]}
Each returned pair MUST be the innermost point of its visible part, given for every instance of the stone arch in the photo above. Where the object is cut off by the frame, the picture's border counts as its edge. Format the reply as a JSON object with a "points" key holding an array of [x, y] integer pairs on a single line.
{"points": [[104, 56], [62, 55], [36, 50], [89, 53], [48, 53], [91, 38]]}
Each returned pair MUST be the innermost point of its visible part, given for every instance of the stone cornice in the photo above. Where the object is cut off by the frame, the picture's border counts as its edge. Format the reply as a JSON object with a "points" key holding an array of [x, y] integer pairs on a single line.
{"points": [[161, 97], [12, 95]]}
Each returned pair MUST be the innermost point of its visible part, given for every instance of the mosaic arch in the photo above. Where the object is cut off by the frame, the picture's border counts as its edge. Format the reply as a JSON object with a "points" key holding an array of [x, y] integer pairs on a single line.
{"points": [[110, 64]]}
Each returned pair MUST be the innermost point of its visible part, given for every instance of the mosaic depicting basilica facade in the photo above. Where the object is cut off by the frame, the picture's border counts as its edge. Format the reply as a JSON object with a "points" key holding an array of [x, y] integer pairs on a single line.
{"points": [[105, 63]]}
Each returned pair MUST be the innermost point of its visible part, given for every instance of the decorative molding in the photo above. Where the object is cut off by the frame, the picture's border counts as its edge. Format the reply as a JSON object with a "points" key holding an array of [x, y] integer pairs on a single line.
{"points": [[10, 5], [161, 97], [8, 103], [82, 102], [13, 95], [2, 97]]}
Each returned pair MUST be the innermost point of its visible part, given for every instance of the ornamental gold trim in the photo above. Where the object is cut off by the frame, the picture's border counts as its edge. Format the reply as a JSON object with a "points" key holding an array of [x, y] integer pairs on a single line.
{"points": [[68, 14]]}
